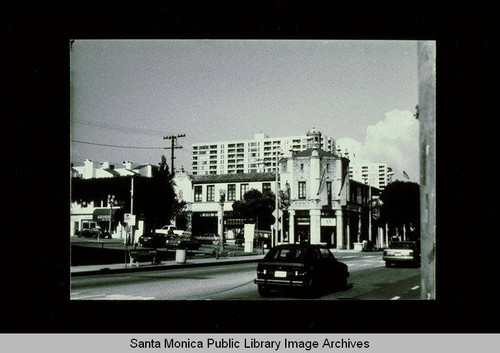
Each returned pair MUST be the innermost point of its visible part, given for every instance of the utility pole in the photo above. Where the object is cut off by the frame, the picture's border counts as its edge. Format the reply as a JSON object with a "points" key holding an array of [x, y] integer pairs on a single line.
{"points": [[173, 146]]}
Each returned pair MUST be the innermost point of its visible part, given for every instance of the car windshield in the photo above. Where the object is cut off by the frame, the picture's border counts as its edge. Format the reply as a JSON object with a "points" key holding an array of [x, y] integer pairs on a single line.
{"points": [[287, 254], [403, 245]]}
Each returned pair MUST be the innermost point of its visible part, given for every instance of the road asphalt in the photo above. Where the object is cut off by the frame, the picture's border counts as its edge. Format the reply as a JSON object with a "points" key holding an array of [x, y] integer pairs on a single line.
{"points": [[89, 270]]}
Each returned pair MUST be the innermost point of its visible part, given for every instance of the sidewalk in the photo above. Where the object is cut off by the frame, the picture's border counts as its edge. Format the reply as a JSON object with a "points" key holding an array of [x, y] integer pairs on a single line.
{"points": [[89, 270]]}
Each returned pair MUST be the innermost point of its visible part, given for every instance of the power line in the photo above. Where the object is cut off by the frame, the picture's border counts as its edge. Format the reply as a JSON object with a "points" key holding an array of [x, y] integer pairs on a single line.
{"points": [[119, 128], [116, 146]]}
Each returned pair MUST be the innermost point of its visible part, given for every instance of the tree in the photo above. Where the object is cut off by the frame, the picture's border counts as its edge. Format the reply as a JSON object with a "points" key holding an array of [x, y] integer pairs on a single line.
{"points": [[401, 206], [256, 206], [154, 198]]}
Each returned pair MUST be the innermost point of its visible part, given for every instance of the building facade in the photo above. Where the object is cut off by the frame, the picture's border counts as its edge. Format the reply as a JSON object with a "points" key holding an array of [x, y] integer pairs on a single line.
{"points": [[210, 198], [91, 169], [376, 174], [317, 201], [102, 212], [257, 155]]}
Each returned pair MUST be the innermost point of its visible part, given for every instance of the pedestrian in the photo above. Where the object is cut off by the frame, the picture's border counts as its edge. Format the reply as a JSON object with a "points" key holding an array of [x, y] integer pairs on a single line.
{"points": [[217, 246]]}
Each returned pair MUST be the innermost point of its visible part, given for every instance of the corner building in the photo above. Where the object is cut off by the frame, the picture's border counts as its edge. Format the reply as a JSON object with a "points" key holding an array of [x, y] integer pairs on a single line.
{"points": [[315, 183], [317, 201]]}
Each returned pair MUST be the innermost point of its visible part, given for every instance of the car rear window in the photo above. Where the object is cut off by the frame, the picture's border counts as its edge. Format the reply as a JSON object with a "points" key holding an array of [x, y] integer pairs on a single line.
{"points": [[287, 254], [401, 245]]}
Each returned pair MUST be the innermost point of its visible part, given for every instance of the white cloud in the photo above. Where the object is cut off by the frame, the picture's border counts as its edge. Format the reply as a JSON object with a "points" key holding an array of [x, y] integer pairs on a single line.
{"points": [[394, 140]]}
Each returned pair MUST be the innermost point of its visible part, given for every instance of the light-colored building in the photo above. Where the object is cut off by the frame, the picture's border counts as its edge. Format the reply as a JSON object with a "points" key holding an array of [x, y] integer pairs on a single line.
{"points": [[257, 155], [203, 196], [100, 212], [318, 202], [91, 169], [375, 174]]}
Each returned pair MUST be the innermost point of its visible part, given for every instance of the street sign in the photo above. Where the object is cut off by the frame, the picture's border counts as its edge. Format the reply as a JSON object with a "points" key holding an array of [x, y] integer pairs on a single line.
{"points": [[129, 219]]}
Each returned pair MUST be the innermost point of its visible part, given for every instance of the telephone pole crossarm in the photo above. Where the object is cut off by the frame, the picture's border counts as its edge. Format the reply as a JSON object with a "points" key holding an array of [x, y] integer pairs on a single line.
{"points": [[173, 147]]}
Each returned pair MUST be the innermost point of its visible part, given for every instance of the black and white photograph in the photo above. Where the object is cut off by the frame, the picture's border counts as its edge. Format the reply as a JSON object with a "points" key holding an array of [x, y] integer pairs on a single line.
{"points": [[249, 176], [250, 170]]}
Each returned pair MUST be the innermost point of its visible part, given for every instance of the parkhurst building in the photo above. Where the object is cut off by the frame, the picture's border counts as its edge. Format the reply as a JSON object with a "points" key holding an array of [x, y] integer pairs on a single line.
{"points": [[317, 201]]}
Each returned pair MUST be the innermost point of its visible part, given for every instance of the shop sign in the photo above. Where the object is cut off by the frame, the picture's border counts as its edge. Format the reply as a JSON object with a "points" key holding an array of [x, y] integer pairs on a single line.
{"points": [[302, 221], [208, 214], [102, 217], [328, 222]]}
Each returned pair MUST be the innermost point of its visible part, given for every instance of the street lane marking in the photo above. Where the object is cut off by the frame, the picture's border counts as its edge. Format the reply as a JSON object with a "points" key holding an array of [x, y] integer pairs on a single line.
{"points": [[416, 287], [396, 298]]}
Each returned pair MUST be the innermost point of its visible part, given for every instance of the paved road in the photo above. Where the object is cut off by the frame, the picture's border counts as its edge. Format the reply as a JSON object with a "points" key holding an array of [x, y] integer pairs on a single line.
{"points": [[369, 280]]}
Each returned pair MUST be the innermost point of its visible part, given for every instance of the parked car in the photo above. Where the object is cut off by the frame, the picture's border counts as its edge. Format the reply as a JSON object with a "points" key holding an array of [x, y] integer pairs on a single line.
{"points": [[169, 229], [182, 242], [93, 233], [302, 266], [153, 240], [407, 252], [206, 238]]}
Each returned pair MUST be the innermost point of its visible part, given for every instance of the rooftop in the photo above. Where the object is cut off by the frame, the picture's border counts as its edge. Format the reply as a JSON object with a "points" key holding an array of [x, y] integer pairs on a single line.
{"points": [[235, 178]]}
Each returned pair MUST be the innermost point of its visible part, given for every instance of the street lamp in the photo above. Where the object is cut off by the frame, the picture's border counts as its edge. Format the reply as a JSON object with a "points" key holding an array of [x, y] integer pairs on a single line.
{"points": [[111, 200], [222, 199]]}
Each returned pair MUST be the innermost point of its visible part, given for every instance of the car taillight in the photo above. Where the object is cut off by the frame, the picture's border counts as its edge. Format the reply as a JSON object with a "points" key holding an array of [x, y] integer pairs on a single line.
{"points": [[300, 273]]}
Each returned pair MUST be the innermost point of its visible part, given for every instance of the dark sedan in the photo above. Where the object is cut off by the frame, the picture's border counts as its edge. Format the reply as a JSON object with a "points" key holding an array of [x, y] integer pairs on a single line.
{"points": [[153, 240], [183, 242], [304, 266]]}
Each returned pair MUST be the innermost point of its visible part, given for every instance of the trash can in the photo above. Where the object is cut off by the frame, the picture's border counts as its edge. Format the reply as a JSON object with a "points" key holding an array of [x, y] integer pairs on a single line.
{"points": [[180, 256]]}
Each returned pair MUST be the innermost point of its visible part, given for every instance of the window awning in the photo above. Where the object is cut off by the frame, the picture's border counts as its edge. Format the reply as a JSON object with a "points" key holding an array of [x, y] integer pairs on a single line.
{"points": [[102, 214]]}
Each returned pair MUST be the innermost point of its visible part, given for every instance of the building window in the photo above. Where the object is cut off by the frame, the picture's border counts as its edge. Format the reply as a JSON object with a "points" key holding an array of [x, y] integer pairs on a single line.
{"points": [[231, 192], [243, 190], [328, 168], [210, 193], [329, 192], [266, 187], [301, 166], [197, 193], [302, 189]]}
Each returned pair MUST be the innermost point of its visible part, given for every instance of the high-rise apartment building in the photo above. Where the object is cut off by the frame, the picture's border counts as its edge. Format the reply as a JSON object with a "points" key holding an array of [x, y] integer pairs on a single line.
{"points": [[375, 174], [257, 155]]}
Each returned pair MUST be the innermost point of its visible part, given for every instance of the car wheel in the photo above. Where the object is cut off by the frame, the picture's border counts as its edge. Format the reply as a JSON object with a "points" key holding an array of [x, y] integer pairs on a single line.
{"points": [[263, 290], [387, 264]]}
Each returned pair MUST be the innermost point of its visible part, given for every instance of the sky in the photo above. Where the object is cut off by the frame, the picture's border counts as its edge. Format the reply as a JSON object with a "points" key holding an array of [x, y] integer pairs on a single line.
{"points": [[127, 95]]}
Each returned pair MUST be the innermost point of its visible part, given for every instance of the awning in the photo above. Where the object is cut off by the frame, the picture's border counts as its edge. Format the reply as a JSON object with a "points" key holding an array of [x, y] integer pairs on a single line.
{"points": [[102, 214]]}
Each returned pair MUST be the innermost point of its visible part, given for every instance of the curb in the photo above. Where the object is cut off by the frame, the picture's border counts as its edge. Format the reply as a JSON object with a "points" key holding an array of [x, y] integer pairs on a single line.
{"points": [[107, 270]]}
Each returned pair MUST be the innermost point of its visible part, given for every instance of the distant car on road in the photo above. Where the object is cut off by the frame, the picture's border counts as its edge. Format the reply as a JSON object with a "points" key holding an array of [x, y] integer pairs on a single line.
{"points": [[182, 242], [206, 238], [153, 240], [94, 233], [407, 252], [302, 266]]}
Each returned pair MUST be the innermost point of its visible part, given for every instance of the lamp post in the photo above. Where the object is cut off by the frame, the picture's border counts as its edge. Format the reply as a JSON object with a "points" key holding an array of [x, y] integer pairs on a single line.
{"points": [[222, 199], [111, 200]]}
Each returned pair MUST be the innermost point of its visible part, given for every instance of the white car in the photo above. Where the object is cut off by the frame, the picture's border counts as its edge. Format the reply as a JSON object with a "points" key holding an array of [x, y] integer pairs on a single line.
{"points": [[402, 252], [169, 229]]}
